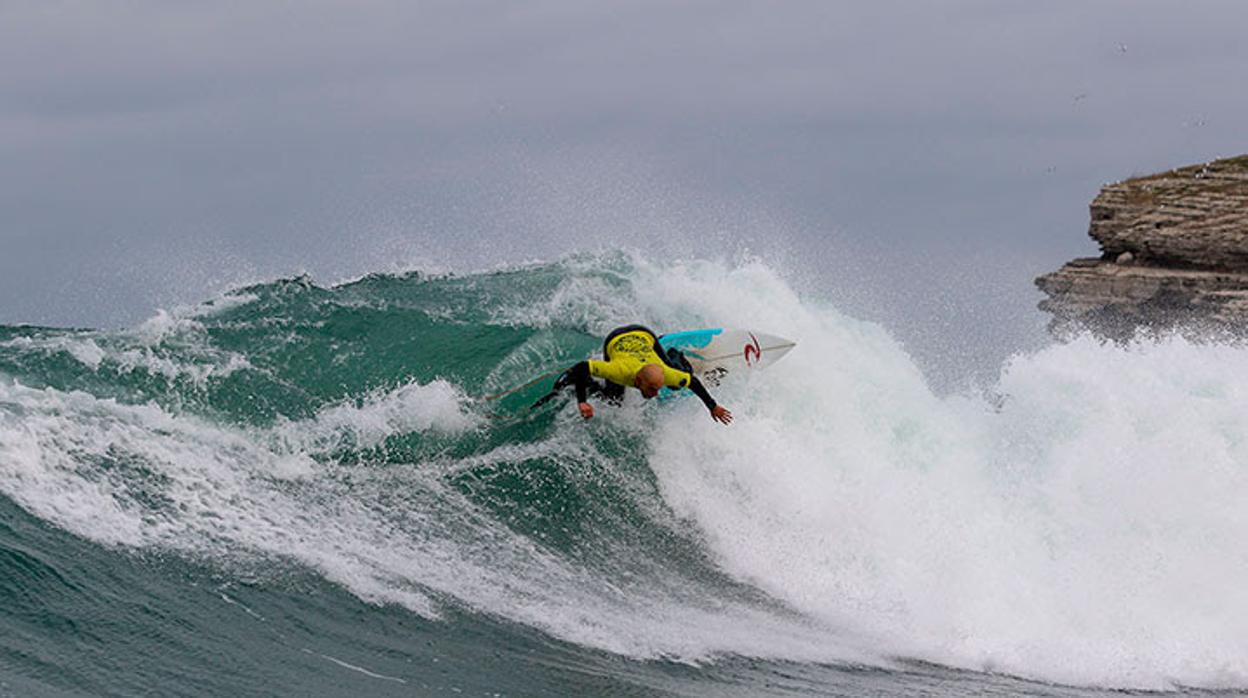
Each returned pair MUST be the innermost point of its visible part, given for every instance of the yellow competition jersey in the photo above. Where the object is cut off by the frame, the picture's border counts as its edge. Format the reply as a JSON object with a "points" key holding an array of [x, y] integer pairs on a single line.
{"points": [[627, 353]]}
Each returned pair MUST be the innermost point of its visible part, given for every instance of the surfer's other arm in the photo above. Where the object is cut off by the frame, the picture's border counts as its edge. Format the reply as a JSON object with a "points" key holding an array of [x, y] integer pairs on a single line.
{"points": [[718, 412]]}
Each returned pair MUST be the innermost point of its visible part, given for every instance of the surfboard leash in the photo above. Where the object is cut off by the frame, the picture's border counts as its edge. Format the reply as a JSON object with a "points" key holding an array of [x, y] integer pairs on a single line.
{"points": [[518, 388]]}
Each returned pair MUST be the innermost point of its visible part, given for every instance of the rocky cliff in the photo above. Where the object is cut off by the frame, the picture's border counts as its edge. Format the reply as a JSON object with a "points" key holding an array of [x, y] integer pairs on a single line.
{"points": [[1174, 254]]}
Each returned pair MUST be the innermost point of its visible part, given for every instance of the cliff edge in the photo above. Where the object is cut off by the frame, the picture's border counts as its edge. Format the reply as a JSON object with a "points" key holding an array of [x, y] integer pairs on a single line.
{"points": [[1174, 255]]}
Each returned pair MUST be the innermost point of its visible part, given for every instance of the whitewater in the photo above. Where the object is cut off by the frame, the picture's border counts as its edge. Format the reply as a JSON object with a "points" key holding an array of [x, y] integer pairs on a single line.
{"points": [[312, 474]]}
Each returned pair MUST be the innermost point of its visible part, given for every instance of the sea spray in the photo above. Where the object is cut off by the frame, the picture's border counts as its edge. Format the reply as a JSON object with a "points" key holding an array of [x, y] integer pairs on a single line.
{"points": [[1085, 526]]}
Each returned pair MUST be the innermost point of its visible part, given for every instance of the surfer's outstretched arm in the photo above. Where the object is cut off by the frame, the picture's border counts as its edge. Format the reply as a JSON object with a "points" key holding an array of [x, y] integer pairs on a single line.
{"points": [[700, 390], [579, 374], [718, 412]]}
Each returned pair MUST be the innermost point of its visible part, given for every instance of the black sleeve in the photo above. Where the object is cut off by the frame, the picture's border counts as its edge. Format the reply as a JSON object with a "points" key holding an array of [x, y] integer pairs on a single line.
{"points": [[580, 378], [700, 390]]}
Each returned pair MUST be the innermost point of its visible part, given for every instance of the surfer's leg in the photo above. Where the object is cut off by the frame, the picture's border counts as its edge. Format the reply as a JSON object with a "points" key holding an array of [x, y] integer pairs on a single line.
{"points": [[563, 381]]}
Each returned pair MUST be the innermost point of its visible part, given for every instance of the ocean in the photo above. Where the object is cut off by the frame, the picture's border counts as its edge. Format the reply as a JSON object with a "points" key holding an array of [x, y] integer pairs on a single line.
{"points": [[306, 489]]}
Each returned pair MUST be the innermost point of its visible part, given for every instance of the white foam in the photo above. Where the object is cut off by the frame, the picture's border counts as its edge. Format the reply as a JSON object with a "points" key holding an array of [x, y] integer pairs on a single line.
{"points": [[1090, 531], [141, 349], [82, 348], [388, 535], [368, 421], [578, 301]]}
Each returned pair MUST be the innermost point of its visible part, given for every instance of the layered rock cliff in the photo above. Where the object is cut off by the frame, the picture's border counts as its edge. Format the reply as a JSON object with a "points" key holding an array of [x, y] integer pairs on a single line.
{"points": [[1174, 255]]}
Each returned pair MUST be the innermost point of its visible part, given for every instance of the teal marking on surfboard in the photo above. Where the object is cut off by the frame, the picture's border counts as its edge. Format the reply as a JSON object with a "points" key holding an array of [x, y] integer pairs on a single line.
{"points": [[688, 340]]}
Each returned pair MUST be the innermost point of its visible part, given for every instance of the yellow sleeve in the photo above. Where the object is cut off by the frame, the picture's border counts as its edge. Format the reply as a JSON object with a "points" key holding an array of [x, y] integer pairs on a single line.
{"points": [[620, 372], [675, 379]]}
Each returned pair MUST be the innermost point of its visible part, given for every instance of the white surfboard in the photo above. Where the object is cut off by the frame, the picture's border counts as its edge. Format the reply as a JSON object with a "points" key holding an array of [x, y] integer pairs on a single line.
{"points": [[719, 352]]}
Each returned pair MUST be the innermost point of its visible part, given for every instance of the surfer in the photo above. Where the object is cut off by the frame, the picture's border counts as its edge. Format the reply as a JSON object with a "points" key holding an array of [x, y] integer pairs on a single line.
{"points": [[634, 358]]}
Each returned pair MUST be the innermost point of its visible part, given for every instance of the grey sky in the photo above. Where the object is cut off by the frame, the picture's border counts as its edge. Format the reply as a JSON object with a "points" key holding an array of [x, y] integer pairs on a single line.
{"points": [[921, 160]]}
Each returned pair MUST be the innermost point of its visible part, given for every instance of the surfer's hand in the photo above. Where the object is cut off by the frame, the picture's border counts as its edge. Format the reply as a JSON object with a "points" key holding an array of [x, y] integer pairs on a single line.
{"points": [[587, 410], [721, 415]]}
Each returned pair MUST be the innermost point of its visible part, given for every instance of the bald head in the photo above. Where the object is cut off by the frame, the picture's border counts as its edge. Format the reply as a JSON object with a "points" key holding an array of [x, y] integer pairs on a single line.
{"points": [[649, 380]]}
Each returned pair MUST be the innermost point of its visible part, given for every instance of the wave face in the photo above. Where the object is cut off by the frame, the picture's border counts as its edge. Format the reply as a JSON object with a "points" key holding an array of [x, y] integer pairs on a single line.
{"points": [[1082, 523]]}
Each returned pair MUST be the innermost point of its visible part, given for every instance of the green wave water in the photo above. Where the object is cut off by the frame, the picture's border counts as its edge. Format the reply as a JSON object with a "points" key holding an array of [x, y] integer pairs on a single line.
{"points": [[306, 490]]}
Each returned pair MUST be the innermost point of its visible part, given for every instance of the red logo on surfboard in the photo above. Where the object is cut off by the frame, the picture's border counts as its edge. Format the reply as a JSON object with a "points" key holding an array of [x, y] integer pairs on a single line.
{"points": [[754, 349]]}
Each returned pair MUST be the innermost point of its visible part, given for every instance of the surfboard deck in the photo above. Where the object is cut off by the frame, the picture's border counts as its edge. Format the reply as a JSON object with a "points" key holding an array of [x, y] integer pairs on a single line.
{"points": [[713, 354], [719, 352]]}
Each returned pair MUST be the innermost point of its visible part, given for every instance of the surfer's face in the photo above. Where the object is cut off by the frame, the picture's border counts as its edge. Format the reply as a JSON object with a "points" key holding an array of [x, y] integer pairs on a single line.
{"points": [[649, 380]]}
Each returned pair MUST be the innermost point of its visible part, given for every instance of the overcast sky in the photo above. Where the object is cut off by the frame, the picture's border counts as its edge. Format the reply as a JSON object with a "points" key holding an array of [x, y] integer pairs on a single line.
{"points": [[917, 162]]}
